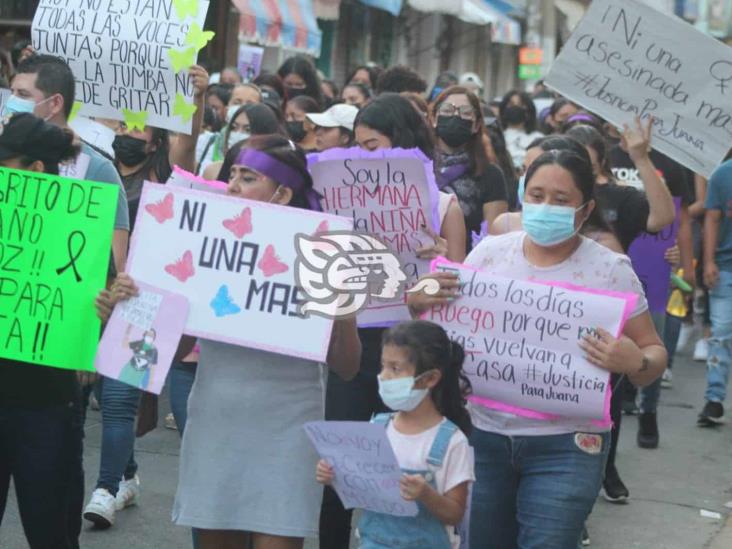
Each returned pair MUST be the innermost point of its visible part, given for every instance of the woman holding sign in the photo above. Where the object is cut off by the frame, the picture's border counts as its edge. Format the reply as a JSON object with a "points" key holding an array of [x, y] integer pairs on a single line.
{"points": [[537, 479]]}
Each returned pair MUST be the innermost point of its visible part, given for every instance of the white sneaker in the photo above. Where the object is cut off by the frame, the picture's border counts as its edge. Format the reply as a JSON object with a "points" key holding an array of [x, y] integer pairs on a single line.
{"points": [[667, 379], [100, 510], [701, 350], [128, 493], [687, 330]]}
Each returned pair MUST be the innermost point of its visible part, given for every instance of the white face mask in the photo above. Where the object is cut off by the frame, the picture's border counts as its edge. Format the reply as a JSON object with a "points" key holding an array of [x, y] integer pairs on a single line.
{"points": [[236, 137], [15, 105], [400, 395]]}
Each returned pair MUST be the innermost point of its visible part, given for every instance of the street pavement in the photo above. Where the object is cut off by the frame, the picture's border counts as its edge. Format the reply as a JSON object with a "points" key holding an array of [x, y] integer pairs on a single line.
{"points": [[691, 471]]}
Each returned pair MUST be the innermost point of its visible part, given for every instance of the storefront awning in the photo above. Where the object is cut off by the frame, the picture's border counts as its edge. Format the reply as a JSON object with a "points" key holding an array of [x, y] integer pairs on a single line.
{"points": [[287, 23], [392, 6], [477, 12]]}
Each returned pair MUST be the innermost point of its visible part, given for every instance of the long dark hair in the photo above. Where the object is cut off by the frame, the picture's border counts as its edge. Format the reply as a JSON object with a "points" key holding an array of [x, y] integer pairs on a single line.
{"points": [[526, 102], [590, 137], [479, 161], [373, 73], [262, 119], [575, 159], [429, 348], [303, 67], [395, 117]]}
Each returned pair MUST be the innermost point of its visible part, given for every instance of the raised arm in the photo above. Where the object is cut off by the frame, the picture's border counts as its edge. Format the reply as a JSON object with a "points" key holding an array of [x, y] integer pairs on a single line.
{"points": [[344, 353], [183, 148]]}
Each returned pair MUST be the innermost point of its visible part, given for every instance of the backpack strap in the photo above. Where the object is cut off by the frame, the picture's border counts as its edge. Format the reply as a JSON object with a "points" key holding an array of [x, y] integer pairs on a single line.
{"points": [[382, 419], [441, 443]]}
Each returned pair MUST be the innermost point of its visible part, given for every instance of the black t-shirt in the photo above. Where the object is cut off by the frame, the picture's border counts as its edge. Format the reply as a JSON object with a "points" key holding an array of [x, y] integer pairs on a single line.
{"points": [[473, 192], [679, 180], [30, 385], [625, 208]]}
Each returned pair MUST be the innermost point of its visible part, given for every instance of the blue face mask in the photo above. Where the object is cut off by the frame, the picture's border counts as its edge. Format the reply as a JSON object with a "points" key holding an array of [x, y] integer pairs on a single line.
{"points": [[16, 104], [521, 188], [548, 225], [399, 394]]}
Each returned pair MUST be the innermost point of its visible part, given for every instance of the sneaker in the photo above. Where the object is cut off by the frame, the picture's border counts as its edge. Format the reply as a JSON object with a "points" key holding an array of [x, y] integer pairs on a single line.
{"points": [[687, 330], [701, 350], [647, 431], [667, 379], [128, 493], [585, 541], [712, 415], [170, 422], [613, 489], [630, 408], [100, 510]]}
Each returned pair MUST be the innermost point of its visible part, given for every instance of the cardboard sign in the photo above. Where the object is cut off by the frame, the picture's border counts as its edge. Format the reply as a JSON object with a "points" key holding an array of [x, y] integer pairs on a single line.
{"points": [[94, 133], [141, 338], [55, 241], [647, 252], [130, 58], [390, 193], [233, 260], [187, 180], [249, 62], [521, 342], [366, 470], [626, 59]]}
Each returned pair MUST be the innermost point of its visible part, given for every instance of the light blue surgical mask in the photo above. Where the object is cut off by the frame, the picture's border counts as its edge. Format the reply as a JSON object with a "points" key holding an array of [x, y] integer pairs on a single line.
{"points": [[400, 395], [15, 105], [521, 188], [549, 225]]}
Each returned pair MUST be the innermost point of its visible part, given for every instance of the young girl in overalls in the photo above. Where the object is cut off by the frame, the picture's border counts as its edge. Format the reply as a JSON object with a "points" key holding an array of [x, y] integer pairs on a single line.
{"points": [[422, 381]]}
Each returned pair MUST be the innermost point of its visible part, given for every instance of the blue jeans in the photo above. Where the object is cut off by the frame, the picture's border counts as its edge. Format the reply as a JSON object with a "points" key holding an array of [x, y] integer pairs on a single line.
{"points": [[720, 344], [119, 407], [39, 450], [651, 393], [181, 378], [532, 492]]}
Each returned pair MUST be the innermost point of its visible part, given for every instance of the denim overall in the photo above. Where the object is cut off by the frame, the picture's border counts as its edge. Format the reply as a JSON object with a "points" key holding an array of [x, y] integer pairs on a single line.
{"points": [[424, 531]]}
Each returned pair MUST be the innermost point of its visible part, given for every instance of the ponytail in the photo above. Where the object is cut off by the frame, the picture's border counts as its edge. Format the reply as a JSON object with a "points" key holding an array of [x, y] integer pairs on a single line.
{"points": [[430, 348]]}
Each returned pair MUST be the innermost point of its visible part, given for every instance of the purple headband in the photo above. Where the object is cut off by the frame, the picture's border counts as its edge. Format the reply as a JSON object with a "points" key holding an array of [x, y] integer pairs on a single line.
{"points": [[280, 172], [583, 117]]}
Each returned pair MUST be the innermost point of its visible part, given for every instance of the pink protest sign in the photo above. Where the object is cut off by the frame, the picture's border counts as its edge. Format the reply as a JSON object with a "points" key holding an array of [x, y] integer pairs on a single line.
{"points": [[141, 338], [521, 341], [187, 180], [389, 193], [234, 261]]}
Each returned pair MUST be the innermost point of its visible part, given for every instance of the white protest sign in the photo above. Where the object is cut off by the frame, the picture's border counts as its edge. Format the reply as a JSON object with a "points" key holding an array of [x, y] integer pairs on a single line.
{"points": [[366, 470], [76, 169], [233, 260], [5, 93], [94, 133], [521, 342], [626, 59], [186, 180], [390, 193], [141, 311], [130, 57]]}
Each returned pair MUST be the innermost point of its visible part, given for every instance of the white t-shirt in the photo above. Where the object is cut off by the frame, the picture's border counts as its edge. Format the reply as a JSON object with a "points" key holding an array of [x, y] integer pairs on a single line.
{"points": [[592, 265], [516, 143], [412, 452]]}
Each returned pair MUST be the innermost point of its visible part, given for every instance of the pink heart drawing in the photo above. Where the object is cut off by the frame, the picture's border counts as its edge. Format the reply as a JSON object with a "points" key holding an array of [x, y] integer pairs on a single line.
{"points": [[322, 228], [270, 264], [182, 269], [162, 210], [240, 224]]}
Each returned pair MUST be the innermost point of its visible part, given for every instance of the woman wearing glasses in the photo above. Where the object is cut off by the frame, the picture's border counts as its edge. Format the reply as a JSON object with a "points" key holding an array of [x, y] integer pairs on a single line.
{"points": [[462, 166]]}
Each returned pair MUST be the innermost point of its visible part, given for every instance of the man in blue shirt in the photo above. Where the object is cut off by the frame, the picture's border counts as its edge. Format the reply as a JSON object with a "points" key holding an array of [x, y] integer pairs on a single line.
{"points": [[718, 278]]}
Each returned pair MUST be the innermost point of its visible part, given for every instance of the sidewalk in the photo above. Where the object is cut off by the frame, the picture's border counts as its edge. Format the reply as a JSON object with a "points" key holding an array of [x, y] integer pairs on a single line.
{"points": [[692, 470]]}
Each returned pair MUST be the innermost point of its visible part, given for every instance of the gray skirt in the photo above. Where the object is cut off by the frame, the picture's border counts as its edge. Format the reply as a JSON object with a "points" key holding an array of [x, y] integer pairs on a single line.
{"points": [[246, 463]]}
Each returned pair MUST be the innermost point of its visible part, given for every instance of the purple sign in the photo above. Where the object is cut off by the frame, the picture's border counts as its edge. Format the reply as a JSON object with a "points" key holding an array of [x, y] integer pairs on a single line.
{"points": [[250, 61], [647, 252]]}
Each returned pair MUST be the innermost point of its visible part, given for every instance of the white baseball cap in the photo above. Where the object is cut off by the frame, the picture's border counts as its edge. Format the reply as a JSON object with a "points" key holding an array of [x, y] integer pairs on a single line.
{"points": [[471, 78], [338, 116]]}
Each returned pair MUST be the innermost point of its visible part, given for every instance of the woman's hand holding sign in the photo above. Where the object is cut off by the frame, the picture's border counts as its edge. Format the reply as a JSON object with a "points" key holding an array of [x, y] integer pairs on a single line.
{"points": [[122, 288], [438, 288], [618, 355], [438, 249]]}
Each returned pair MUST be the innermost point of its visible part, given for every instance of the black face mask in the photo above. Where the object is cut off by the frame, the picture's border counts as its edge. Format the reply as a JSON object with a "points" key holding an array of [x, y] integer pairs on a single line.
{"points": [[515, 115], [296, 129], [128, 150], [291, 93], [454, 131]]}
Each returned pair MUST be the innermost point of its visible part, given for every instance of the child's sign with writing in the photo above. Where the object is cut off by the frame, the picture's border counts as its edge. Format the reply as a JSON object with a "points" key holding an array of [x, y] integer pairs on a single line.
{"points": [[141, 338], [366, 470], [390, 193], [648, 254], [626, 59], [233, 260], [521, 342], [55, 241], [130, 58]]}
